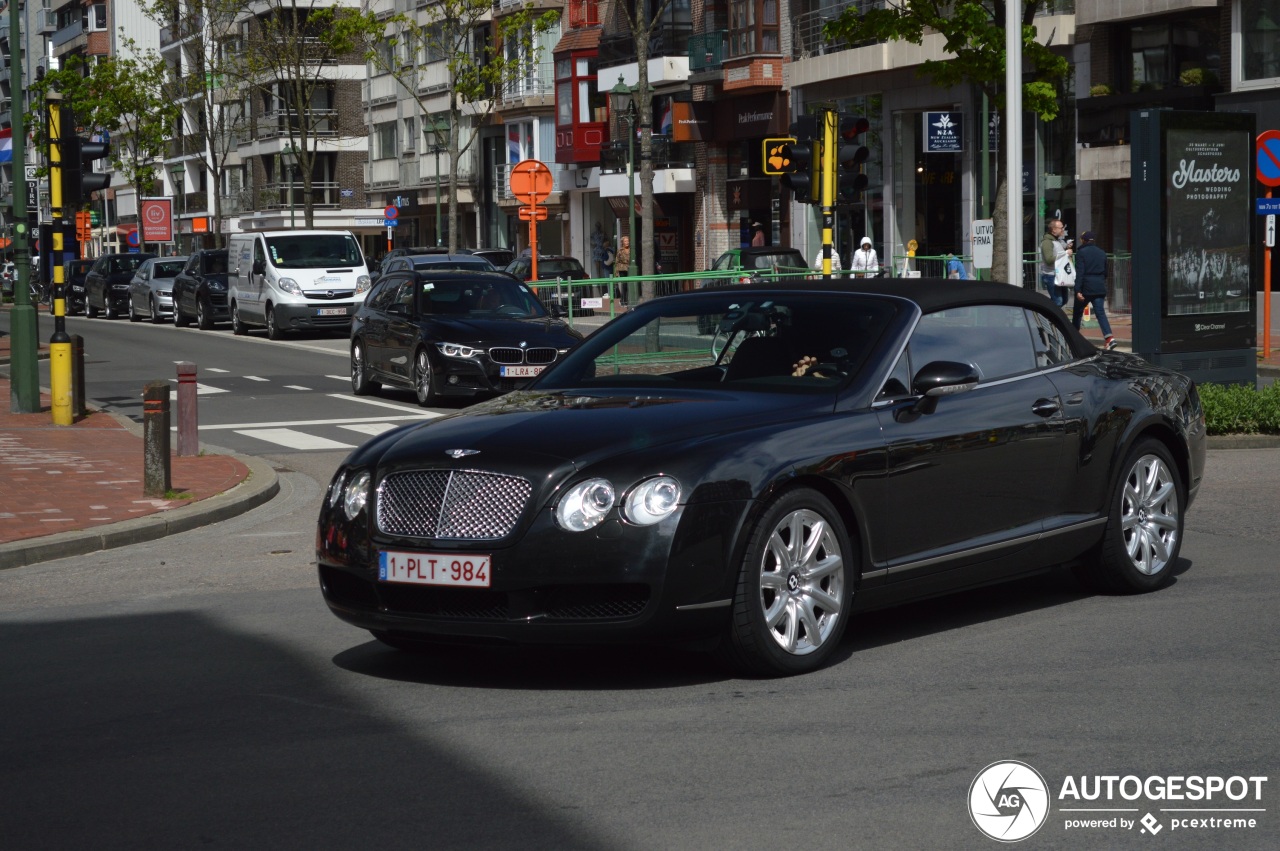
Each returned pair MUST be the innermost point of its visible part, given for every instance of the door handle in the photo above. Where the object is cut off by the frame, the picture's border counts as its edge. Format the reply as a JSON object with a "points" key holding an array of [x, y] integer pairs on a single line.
{"points": [[1046, 407]]}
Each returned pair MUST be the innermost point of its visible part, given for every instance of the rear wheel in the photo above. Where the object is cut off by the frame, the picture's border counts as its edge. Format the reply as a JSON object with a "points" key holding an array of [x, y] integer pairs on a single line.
{"points": [[179, 318], [794, 590], [1144, 525], [134, 316], [361, 383], [204, 314], [274, 331], [423, 379]]}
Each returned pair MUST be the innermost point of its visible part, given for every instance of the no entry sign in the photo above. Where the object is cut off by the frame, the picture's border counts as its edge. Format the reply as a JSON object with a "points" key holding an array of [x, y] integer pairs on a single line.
{"points": [[1269, 158]]}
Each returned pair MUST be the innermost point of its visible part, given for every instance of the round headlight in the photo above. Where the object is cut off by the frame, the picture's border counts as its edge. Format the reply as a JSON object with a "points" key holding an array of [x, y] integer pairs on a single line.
{"points": [[585, 504], [335, 488], [356, 494], [651, 500]]}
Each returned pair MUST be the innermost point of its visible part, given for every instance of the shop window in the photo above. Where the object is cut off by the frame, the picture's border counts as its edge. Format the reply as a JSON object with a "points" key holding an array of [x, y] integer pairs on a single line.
{"points": [[1258, 22]]}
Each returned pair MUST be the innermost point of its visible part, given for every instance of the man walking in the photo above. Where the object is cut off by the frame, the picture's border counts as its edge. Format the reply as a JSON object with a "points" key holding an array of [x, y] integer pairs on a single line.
{"points": [[1053, 245], [1091, 285]]}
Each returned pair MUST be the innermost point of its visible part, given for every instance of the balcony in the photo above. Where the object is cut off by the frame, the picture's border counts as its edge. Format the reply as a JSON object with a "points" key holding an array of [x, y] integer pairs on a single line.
{"points": [[706, 52], [665, 154], [671, 39], [276, 196], [1104, 120], [273, 125], [561, 177], [534, 90]]}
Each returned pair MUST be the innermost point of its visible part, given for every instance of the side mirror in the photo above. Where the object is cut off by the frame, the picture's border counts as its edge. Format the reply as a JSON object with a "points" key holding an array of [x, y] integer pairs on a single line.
{"points": [[942, 378], [555, 311], [398, 309]]}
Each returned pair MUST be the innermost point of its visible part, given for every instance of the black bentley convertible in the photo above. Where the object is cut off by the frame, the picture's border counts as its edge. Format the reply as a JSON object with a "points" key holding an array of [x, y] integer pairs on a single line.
{"points": [[754, 465]]}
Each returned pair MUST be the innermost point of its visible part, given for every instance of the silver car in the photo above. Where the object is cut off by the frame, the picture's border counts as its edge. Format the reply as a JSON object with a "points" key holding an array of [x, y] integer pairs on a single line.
{"points": [[151, 290]]}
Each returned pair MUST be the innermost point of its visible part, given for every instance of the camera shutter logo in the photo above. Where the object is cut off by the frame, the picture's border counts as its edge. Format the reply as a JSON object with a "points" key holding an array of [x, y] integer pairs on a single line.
{"points": [[1008, 801]]}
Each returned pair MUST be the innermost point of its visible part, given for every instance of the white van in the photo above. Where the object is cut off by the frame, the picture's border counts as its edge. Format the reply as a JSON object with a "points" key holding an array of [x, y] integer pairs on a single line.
{"points": [[295, 280]]}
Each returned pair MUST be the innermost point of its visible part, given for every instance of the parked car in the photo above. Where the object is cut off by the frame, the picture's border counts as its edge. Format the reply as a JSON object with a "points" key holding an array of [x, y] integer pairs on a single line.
{"points": [[151, 288], [75, 273], [750, 261], [106, 286], [453, 333], [437, 260], [7, 277], [830, 448], [550, 267], [200, 290], [499, 257]]}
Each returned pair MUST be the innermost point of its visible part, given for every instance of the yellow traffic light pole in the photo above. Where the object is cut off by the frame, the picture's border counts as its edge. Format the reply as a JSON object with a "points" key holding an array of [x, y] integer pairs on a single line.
{"points": [[830, 121], [60, 342]]}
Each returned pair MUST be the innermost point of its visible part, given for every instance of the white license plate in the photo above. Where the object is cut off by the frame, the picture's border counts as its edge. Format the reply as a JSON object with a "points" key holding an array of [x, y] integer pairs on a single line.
{"points": [[520, 371], [331, 311], [471, 571]]}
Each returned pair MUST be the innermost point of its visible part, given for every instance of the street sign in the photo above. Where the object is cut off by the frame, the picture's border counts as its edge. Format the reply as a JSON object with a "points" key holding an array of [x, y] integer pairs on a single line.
{"points": [[773, 154], [132, 238], [391, 222], [392, 212], [1270, 239], [31, 172], [1267, 206], [531, 181], [1269, 158], [533, 214]]}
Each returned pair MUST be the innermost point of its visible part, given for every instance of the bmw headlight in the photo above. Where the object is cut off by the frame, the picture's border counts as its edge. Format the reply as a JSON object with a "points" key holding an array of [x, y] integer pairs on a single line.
{"points": [[356, 494], [585, 504], [456, 350], [290, 286], [651, 500]]}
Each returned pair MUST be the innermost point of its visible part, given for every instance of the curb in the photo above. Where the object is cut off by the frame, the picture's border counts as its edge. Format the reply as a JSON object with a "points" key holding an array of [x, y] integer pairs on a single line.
{"points": [[261, 485], [1244, 441]]}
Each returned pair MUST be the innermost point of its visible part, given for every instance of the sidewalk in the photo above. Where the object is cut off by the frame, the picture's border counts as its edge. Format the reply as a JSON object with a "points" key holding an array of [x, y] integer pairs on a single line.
{"points": [[71, 490]]}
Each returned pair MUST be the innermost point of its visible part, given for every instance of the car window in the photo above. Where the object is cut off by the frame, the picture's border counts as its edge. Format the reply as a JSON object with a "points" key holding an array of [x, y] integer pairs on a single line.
{"points": [[720, 340], [215, 264], [1051, 344], [382, 294], [993, 337], [559, 268], [486, 298], [724, 261], [166, 270]]}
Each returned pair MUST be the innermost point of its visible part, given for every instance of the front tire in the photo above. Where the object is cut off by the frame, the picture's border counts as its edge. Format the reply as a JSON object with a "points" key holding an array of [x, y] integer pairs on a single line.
{"points": [[794, 590], [179, 318], [423, 379], [204, 314], [274, 331], [1144, 525], [91, 311], [156, 318], [238, 328], [361, 383]]}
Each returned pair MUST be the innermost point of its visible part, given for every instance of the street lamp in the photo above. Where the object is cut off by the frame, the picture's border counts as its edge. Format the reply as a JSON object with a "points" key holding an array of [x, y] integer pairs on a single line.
{"points": [[624, 106], [178, 171], [289, 155]]}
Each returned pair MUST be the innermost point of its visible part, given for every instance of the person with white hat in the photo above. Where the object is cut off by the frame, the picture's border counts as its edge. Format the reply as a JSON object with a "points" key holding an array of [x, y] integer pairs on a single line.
{"points": [[865, 261]]}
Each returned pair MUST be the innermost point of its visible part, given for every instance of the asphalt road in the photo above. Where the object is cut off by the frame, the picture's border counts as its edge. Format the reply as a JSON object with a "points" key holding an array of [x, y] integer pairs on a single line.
{"points": [[195, 692]]}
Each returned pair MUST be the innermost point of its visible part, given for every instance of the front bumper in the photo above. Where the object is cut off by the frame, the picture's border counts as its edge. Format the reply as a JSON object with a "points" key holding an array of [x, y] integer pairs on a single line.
{"points": [[307, 316]]}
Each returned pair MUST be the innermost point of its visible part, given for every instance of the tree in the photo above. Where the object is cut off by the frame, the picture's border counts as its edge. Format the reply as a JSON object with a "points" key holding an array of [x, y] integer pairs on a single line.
{"points": [[975, 37], [642, 26], [203, 68], [479, 70], [289, 57], [124, 95]]}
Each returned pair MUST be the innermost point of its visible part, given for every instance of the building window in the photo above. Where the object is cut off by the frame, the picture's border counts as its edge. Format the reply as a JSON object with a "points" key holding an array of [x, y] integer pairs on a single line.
{"points": [[753, 27], [1258, 22], [410, 134], [1163, 54], [385, 135], [577, 101]]}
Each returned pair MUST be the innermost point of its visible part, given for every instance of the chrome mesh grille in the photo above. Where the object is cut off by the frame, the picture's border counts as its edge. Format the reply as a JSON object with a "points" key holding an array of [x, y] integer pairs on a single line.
{"points": [[506, 355], [460, 504], [540, 355]]}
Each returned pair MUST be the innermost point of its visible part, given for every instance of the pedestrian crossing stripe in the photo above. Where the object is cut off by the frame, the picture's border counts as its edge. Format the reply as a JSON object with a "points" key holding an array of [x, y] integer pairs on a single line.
{"points": [[369, 428], [293, 439]]}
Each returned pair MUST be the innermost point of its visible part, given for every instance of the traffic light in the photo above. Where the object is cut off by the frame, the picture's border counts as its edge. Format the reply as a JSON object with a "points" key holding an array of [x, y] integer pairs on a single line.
{"points": [[804, 158], [78, 156], [850, 155]]}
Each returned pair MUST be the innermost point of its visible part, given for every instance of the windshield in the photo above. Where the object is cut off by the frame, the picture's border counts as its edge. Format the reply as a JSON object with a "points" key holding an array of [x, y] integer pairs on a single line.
{"points": [[794, 342], [314, 251], [490, 298]]}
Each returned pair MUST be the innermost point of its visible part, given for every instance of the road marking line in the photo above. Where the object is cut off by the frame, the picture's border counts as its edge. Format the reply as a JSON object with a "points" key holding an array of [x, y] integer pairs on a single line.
{"points": [[379, 404], [256, 378], [369, 428], [293, 439], [214, 369], [339, 377], [295, 387], [301, 423]]}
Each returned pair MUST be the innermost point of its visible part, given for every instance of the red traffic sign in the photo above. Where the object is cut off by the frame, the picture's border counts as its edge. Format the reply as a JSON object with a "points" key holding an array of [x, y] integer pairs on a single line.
{"points": [[391, 212], [531, 181], [533, 214], [1269, 158]]}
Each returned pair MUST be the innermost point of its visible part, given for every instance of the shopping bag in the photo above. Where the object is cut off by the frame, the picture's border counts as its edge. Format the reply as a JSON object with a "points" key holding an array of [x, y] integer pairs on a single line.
{"points": [[1064, 272]]}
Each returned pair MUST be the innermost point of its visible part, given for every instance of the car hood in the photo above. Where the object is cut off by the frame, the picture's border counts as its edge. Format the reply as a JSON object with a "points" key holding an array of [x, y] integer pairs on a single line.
{"points": [[535, 332], [584, 428]]}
